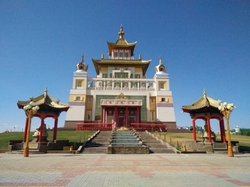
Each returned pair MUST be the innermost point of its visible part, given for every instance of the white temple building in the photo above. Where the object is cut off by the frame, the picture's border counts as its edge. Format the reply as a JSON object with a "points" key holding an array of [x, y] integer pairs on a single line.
{"points": [[121, 91]]}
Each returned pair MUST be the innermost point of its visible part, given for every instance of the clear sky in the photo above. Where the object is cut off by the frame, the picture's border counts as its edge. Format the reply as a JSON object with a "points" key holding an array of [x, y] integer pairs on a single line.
{"points": [[203, 44]]}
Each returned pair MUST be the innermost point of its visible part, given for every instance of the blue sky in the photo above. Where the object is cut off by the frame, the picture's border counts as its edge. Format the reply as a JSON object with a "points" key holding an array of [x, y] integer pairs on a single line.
{"points": [[204, 44]]}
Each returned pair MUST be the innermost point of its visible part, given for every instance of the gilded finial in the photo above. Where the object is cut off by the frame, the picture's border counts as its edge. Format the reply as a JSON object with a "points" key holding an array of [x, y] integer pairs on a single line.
{"points": [[204, 93], [121, 33], [45, 91], [160, 60], [82, 57]]}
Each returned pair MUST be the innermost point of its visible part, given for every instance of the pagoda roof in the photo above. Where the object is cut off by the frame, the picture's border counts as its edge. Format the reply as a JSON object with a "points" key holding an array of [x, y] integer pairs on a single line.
{"points": [[44, 100], [121, 62], [121, 43], [203, 102]]}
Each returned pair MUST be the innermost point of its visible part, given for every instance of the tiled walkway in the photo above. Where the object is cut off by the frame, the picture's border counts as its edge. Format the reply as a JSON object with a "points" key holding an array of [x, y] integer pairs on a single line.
{"points": [[124, 170]]}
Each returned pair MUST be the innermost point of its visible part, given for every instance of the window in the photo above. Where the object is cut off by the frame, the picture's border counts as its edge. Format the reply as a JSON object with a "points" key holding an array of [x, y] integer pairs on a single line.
{"points": [[77, 98], [124, 75], [79, 84], [89, 99], [161, 85], [126, 54], [137, 76], [162, 99], [152, 115], [117, 75], [104, 75], [115, 53]]}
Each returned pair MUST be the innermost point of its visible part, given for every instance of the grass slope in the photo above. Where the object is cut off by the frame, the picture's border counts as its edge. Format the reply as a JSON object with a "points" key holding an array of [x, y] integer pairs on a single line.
{"points": [[72, 136]]}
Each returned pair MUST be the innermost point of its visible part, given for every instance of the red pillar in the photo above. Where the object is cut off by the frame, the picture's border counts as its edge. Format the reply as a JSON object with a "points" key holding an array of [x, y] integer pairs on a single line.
{"points": [[137, 114], [126, 117], [115, 114], [25, 129], [221, 135], [194, 128], [209, 129], [102, 114], [55, 128], [41, 130]]}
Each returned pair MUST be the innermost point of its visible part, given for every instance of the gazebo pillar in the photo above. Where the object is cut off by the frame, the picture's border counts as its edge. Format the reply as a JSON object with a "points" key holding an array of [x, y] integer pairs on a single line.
{"points": [[208, 129], [222, 131], [25, 129], [55, 128], [41, 129], [194, 128]]}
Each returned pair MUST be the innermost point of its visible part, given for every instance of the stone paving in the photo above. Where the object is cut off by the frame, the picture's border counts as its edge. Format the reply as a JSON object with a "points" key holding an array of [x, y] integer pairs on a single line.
{"points": [[121, 170]]}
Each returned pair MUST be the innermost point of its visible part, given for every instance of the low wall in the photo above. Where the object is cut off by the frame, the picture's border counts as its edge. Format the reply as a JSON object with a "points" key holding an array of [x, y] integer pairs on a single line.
{"points": [[128, 150]]}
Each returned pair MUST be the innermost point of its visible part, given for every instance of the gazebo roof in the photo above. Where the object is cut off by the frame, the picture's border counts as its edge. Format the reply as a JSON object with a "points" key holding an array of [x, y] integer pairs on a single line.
{"points": [[203, 102], [44, 100]]}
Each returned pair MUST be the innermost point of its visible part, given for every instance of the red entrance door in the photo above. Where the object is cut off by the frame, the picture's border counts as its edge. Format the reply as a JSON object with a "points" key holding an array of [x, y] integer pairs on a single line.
{"points": [[121, 122]]}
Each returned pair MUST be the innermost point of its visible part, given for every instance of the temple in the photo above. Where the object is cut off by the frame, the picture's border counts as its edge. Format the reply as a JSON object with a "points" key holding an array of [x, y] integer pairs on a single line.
{"points": [[121, 91]]}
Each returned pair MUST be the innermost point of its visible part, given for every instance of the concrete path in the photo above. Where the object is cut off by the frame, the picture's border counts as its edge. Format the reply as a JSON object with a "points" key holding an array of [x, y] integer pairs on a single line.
{"points": [[103, 170]]}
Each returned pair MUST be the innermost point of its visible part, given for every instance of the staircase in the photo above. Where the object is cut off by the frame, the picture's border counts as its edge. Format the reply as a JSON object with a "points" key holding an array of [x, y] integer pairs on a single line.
{"points": [[155, 145], [99, 144]]}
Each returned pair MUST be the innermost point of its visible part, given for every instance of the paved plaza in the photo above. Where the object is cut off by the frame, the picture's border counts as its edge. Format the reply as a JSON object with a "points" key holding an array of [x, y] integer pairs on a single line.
{"points": [[105, 170]]}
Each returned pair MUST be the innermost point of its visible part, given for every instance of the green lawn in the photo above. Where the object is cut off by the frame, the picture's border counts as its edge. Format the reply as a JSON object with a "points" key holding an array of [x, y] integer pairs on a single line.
{"points": [[72, 136], [176, 138], [81, 136]]}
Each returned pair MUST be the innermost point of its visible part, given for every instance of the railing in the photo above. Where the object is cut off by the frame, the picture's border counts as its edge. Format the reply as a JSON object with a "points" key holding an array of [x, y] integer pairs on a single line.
{"points": [[126, 58], [131, 84], [149, 126], [94, 126]]}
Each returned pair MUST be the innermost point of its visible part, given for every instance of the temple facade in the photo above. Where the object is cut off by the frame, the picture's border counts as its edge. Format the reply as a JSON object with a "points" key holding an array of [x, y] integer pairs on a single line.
{"points": [[120, 92]]}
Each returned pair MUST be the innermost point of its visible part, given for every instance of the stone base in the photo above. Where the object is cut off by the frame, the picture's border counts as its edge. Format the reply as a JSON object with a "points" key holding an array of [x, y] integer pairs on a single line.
{"points": [[128, 150]]}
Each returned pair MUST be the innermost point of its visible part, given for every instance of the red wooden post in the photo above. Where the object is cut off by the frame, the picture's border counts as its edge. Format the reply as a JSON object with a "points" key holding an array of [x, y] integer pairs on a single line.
{"points": [[41, 130], [194, 128], [55, 128], [126, 117], [209, 129]]}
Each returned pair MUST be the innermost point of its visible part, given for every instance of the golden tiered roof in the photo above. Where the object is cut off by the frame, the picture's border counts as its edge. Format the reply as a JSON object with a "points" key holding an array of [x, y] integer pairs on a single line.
{"points": [[203, 102], [44, 100], [121, 63], [121, 43]]}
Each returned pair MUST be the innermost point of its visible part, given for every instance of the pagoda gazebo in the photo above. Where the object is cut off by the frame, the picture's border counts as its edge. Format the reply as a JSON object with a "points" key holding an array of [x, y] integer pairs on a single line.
{"points": [[48, 107], [206, 109]]}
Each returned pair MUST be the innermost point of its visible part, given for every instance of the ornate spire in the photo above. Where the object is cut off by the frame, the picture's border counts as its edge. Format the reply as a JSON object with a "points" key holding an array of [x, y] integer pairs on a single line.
{"points": [[81, 65], [204, 93], [121, 33], [82, 58], [160, 60], [45, 92]]}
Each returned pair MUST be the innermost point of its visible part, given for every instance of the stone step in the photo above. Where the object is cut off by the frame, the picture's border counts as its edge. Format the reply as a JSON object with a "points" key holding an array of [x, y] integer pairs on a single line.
{"points": [[99, 144], [154, 144], [93, 150], [160, 150]]}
